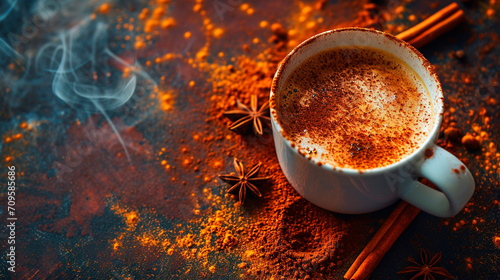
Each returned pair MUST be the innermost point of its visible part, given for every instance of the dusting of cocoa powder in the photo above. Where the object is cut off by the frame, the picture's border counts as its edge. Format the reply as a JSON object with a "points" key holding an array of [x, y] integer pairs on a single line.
{"points": [[354, 107], [305, 241]]}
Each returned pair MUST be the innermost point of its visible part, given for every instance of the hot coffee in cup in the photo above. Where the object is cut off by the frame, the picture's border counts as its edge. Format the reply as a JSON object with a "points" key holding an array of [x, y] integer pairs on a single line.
{"points": [[355, 115], [355, 107]]}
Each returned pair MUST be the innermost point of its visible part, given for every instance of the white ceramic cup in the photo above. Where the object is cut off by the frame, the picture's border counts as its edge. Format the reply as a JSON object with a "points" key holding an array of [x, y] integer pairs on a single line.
{"points": [[349, 191]]}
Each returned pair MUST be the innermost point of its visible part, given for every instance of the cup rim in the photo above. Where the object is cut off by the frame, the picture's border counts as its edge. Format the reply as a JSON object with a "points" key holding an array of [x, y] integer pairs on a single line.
{"points": [[350, 171]]}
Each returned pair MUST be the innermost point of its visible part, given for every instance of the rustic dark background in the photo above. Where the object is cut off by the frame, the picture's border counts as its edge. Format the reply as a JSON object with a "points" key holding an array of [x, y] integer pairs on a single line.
{"points": [[89, 209]]}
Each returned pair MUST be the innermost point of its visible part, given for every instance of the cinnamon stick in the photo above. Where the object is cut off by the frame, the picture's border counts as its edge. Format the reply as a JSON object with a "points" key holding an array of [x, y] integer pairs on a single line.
{"points": [[436, 25], [419, 35], [376, 239], [429, 22], [438, 29], [373, 259]]}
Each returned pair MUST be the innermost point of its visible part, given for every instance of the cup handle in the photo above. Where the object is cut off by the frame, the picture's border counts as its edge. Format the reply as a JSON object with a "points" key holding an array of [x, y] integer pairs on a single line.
{"points": [[454, 182]]}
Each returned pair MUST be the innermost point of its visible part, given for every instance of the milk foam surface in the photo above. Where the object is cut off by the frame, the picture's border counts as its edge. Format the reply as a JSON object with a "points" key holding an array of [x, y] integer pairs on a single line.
{"points": [[357, 108]]}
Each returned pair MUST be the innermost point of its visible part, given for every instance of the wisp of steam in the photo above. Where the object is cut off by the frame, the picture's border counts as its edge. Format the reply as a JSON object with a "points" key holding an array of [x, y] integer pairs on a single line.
{"points": [[6, 6], [86, 74]]}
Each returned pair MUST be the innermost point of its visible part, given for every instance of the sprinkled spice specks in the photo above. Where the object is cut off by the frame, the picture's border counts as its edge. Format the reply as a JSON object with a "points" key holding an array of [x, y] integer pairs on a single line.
{"points": [[164, 213]]}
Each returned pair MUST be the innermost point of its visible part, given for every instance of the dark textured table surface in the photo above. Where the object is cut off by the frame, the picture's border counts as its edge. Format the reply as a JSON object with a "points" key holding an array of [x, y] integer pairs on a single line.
{"points": [[111, 114]]}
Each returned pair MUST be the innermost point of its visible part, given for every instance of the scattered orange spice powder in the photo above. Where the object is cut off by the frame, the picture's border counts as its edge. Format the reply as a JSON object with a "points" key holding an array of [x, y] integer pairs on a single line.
{"points": [[226, 77], [496, 241], [167, 23], [218, 33], [158, 12], [104, 8], [166, 98]]}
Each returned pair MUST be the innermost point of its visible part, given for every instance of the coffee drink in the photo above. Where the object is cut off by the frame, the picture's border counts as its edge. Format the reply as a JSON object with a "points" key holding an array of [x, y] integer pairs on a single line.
{"points": [[355, 107]]}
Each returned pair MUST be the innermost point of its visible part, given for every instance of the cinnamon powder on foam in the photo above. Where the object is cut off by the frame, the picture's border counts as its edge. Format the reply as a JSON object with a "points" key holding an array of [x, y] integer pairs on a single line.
{"points": [[353, 107]]}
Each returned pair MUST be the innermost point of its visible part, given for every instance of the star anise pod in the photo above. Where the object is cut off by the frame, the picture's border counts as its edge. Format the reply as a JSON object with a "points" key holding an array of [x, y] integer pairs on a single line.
{"points": [[244, 180], [426, 270], [247, 116]]}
